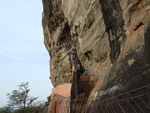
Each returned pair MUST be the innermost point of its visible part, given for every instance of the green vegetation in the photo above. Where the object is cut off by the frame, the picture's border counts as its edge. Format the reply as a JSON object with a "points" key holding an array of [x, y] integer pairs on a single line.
{"points": [[21, 102], [5, 110]]}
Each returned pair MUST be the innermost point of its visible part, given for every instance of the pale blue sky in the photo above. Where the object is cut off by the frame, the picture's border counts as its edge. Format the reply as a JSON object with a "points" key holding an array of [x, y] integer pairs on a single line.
{"points": [[23, 56]]}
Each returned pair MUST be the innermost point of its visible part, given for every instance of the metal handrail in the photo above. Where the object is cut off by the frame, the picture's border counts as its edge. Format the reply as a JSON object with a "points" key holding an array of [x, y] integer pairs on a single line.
{"points": [[128, 102]]}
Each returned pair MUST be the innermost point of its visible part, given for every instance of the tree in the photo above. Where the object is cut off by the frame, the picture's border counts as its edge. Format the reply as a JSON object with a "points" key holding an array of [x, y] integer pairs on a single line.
{"points": [[49, 99], [20, 98], [5, 109], [38, 107]]}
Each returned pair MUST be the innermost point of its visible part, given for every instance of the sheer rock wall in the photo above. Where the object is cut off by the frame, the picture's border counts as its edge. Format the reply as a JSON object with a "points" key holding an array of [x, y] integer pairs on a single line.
{"points": [[112, 41]]}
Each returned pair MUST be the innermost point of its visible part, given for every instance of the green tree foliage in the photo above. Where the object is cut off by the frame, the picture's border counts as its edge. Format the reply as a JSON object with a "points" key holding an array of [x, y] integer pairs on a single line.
{"points": [[20, 99], [38, 107], [49, 98], [5, 110]]}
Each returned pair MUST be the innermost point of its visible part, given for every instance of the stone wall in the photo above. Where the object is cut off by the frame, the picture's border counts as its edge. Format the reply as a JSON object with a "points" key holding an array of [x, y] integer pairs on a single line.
{"points": [[60, 99]]}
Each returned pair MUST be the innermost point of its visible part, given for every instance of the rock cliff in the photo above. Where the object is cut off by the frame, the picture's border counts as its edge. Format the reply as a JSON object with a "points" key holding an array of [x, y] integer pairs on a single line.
{"points": [[112, 39]]}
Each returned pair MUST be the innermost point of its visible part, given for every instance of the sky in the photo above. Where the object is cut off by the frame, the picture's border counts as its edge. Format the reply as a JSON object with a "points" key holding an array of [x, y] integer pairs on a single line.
{"points": [[23, 56]]}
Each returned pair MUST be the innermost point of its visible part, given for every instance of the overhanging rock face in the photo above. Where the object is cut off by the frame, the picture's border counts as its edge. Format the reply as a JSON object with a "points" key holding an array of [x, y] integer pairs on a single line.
{"points": [[112, 42]]}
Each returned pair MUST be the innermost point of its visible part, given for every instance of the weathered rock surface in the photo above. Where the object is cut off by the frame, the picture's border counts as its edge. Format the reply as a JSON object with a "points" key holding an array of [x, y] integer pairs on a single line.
{"points": [[60, 99], [112, 41]]}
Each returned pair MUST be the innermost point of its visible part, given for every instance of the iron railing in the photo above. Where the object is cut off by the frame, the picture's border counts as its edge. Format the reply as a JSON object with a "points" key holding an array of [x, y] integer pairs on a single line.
{"points": [[135, 101]]}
